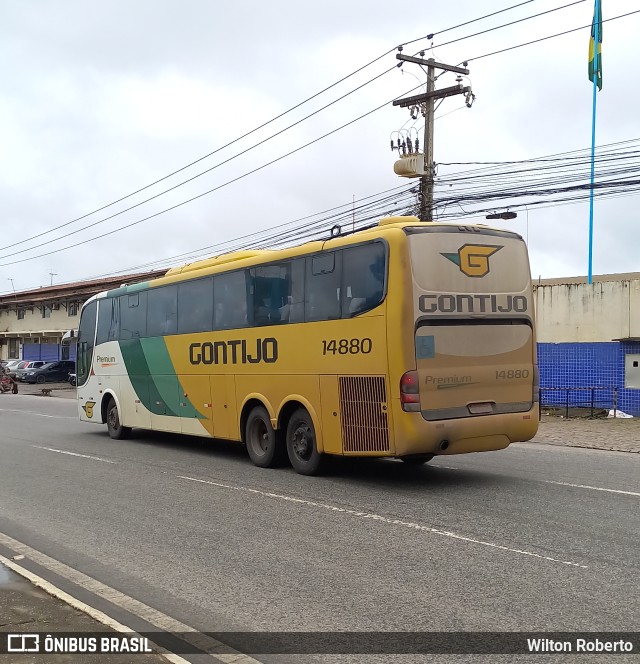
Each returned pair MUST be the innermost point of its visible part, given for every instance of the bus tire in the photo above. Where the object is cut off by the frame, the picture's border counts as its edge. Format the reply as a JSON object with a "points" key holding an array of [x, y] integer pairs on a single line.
{"points": [[301, 443], [417, 459], [115, 429], [263, 443]]}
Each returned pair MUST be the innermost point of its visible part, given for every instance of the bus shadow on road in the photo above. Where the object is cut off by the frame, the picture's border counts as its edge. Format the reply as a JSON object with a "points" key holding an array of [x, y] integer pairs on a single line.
{"points": [[393, 474], [199, 445], [383, 472]]}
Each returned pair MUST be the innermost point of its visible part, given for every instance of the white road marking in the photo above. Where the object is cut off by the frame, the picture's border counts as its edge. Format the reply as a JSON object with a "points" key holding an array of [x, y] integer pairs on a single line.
{"points": [[75, 454], [33, 412], [147, 613], [593, 488], [575, 486], [81, 606], [383, 519]]}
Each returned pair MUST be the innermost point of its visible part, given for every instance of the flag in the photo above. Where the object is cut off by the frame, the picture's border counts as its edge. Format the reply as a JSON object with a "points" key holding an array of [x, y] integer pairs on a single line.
{"points": [[593, 69]]}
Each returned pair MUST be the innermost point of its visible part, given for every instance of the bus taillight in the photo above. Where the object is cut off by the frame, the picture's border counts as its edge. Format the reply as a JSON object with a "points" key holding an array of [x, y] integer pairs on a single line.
{"points": [[410, 392]]}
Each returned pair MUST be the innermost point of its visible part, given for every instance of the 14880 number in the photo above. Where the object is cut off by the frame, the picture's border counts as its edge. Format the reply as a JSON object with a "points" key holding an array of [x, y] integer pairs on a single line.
{"points": [[346, 346]]}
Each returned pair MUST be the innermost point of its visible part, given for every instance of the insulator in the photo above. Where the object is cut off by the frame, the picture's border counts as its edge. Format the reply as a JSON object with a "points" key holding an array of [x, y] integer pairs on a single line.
{"points": [[393, 147], [410, 145]]}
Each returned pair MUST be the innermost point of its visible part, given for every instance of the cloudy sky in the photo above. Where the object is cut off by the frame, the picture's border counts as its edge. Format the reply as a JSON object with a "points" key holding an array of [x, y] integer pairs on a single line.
{"points": [[100, 100]]}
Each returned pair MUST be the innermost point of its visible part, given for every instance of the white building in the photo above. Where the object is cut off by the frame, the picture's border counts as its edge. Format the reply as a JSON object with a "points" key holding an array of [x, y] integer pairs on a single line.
{"points": [[589, 340], [41, 316]]}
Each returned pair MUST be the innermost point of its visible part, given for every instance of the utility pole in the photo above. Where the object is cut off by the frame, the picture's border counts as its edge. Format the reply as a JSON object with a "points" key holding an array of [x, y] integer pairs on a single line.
{"points": [[426, 181], [52, 275], [425, 102]]}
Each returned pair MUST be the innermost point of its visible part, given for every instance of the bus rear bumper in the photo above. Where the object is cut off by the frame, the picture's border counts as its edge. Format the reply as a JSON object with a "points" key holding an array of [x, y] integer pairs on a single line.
{"points": [[414, 435]]}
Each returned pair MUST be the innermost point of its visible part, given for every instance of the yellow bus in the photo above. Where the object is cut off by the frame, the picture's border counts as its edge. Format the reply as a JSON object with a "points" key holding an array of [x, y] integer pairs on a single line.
{"points": [[405, 340]]}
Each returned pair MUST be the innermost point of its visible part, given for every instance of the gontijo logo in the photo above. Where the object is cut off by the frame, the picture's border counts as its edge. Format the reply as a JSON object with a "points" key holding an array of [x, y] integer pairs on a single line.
{"points": [[88, 408], [473, 259]]}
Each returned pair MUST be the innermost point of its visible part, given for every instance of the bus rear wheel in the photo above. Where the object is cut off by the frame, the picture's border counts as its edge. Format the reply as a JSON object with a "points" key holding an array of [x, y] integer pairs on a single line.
{"points": [[115, 429], [263, 443], [301, 444]]}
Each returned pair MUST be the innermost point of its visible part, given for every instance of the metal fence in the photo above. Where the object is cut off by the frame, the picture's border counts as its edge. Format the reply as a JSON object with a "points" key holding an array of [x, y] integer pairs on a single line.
{"points": [[593, 397]]}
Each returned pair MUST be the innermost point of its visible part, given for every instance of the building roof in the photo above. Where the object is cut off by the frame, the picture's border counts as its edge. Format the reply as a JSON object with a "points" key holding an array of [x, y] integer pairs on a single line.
{"points": [[559, 281], [80, 290]]}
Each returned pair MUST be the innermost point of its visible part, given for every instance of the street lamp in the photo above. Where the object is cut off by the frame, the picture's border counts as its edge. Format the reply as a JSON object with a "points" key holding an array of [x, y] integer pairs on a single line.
{"points": [[509, 215]]}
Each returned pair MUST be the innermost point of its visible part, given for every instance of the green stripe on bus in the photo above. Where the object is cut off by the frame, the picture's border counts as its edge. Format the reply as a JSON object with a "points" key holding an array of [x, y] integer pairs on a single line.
{"points": [[154, 379]]}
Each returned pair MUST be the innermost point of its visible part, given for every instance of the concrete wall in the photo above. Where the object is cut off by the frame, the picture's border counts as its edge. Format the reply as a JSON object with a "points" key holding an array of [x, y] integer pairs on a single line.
{"points": [[579, 312]]}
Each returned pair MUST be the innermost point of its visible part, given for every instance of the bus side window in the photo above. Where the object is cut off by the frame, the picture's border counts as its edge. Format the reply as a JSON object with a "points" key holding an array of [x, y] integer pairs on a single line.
{"points": [[293, 309], [269, 288], [162, 311], [114, 326], [230, 300], [195, 306], [108, 320], [322, 286], [278, 295], [363, 278], [133, 315], [105, 313]]}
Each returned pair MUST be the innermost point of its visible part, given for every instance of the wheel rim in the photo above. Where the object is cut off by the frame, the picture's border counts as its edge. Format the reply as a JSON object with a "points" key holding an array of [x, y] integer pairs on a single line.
{"points": [[259, 437], [302, 441], [113, 419]]}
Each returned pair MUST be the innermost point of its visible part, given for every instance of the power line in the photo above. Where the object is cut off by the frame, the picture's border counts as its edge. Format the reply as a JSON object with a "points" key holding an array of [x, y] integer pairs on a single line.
{"points": [[558, 34], [180, 184], [193, 198], [277, 117], [283, 233], [128, 209], [505, 25], [460, 25], [242, 176], [323, 217]]}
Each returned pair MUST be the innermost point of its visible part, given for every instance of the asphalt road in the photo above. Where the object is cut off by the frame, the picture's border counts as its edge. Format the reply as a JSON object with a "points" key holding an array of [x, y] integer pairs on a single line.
{"points": [[535, 537]]}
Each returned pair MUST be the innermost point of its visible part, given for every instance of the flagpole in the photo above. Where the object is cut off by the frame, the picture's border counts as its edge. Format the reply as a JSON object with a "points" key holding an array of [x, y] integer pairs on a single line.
{"points": [[596, 57]]}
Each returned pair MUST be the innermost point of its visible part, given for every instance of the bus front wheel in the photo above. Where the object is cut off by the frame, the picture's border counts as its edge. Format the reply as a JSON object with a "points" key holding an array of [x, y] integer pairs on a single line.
{"points": [[263, 444], [115, 429], [301, 443]]}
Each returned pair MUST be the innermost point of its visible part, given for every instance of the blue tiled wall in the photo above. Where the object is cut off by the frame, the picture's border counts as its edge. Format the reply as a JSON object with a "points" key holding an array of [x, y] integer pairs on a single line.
{"points": [[587, 365]]}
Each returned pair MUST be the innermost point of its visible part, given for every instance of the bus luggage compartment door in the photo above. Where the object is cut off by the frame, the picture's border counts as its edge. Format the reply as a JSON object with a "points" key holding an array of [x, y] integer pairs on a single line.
{"points": [[472, 368]]}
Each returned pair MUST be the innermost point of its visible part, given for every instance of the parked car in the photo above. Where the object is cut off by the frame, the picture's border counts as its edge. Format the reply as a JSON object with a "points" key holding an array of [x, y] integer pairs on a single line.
{"points": [[50, 372], [20, 364], [28, 366], [10, 365]]}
